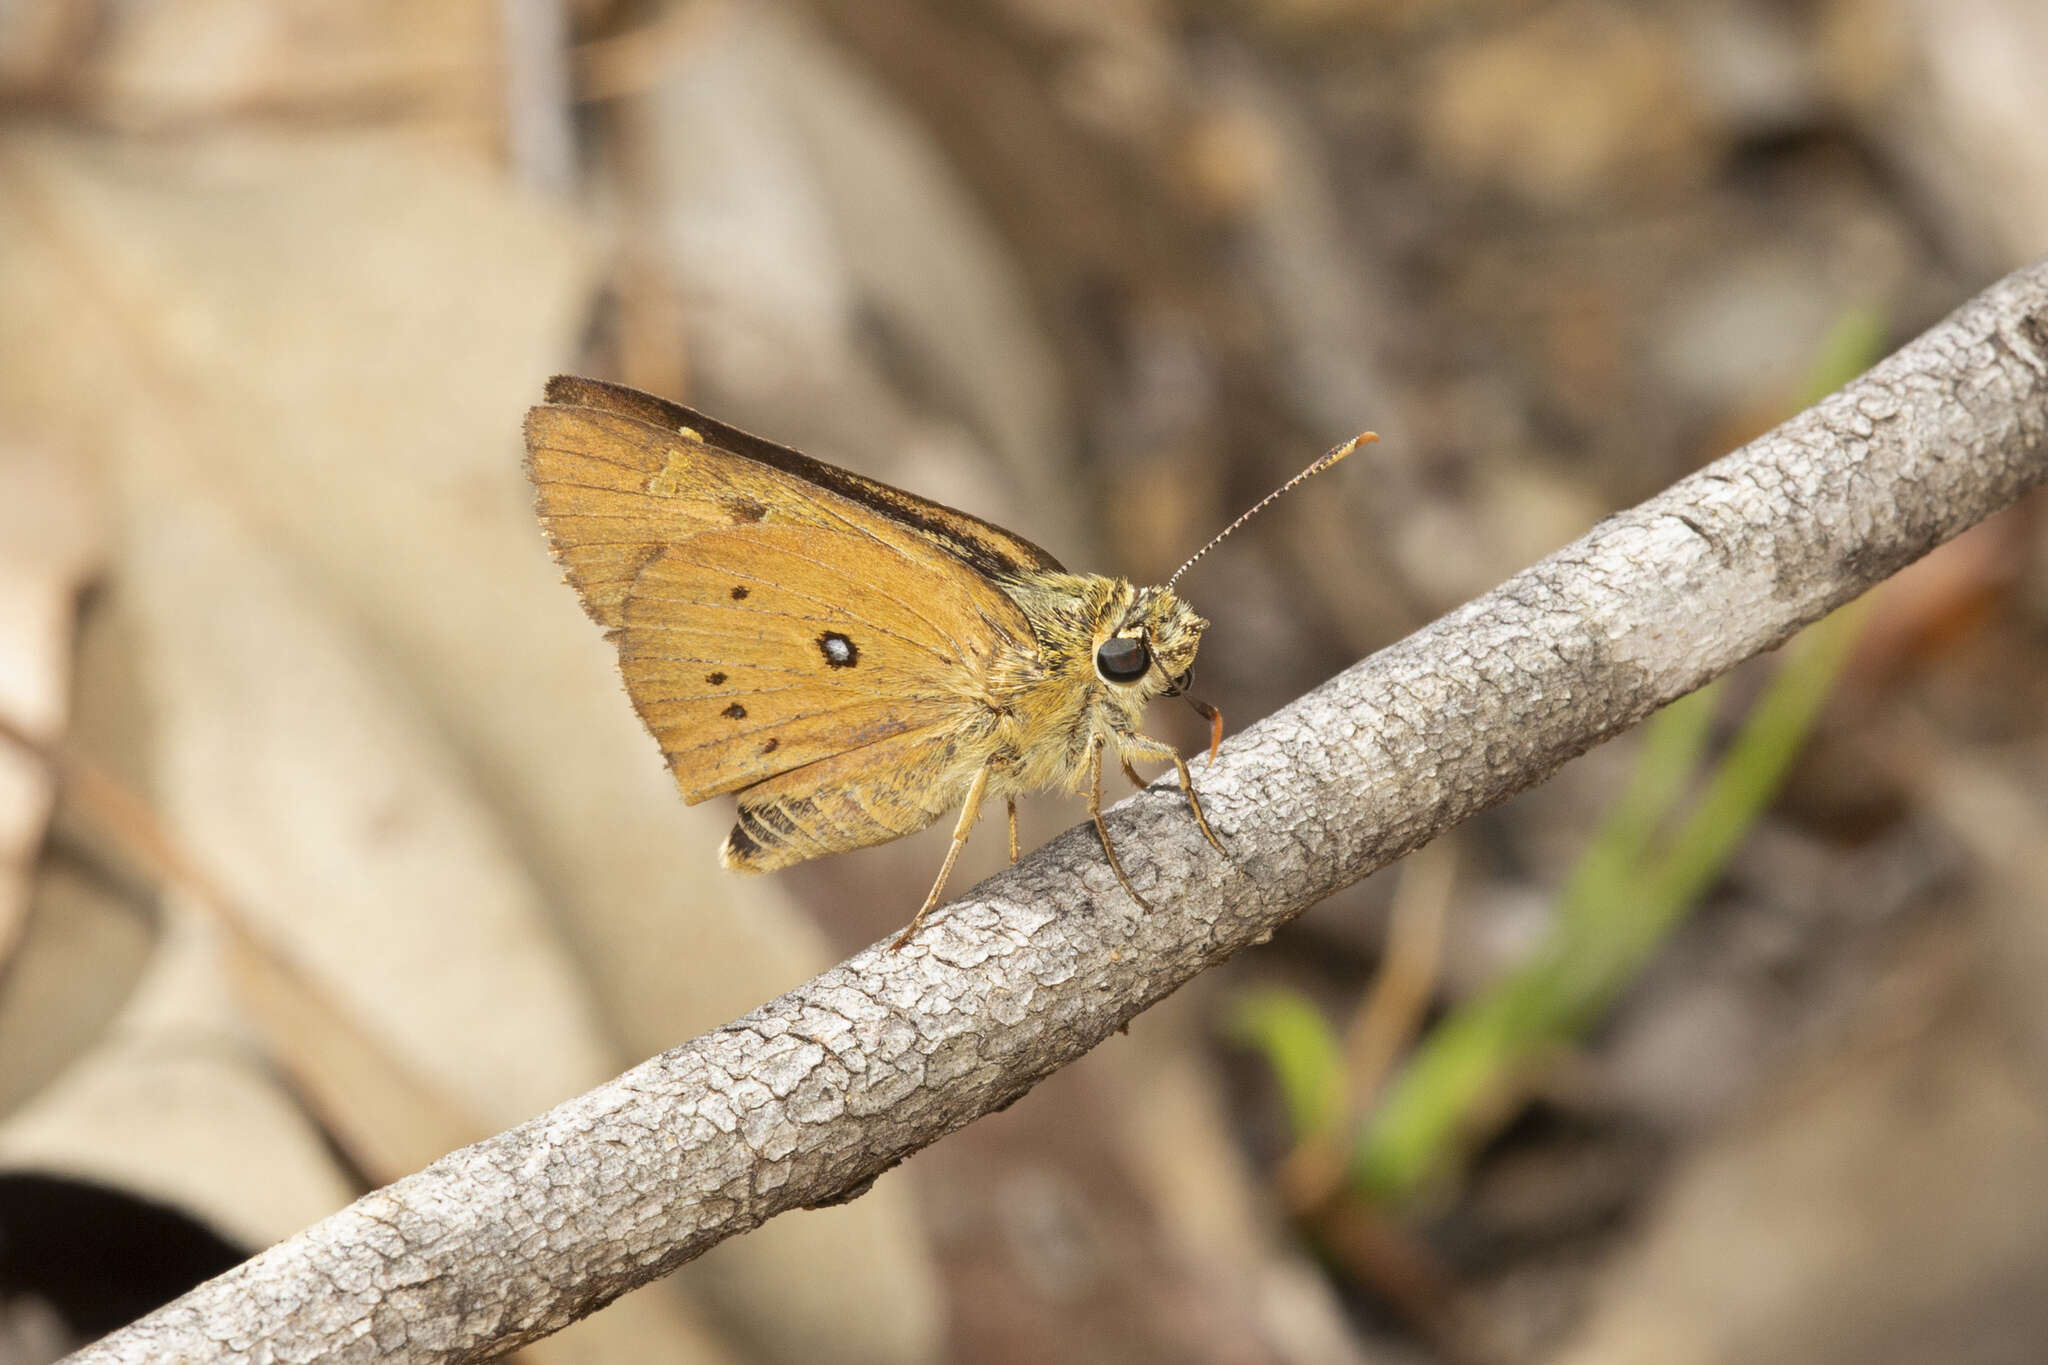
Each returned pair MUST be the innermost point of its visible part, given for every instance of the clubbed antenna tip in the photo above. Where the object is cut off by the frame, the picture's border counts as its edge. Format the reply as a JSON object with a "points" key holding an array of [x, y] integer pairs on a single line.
{"points": [[1324, 461]]}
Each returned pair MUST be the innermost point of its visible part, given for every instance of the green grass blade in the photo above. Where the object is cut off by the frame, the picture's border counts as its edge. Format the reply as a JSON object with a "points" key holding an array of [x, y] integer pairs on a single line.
{"points": [[1622, 901], [1286, 1028]]}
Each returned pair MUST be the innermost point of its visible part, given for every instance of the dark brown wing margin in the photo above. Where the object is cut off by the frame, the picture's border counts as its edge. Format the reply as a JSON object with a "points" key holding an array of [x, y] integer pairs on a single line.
{"points": [[988, 548]]}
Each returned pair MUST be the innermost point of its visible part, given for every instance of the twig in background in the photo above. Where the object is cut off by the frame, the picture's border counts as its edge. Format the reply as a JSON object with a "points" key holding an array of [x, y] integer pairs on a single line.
{"points": [[540, 137]]}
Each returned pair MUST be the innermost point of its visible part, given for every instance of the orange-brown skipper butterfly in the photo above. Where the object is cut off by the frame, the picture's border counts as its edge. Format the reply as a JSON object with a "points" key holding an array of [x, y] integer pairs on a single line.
{"points": [[849, 660]]}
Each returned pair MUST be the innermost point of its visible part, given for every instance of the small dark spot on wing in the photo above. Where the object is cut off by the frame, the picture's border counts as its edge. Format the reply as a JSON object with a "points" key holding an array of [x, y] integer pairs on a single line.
{"points": [[745, 510], [715, 679], [771, 746], [734, 712], [739, 594]]}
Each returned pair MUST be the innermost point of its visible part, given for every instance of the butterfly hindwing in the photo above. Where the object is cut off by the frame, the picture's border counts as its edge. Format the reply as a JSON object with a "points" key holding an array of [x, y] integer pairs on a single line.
{"points": [[839, 803], [752, 652]]}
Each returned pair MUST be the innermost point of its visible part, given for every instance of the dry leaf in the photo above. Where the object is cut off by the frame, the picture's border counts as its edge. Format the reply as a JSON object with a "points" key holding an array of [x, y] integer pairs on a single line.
{"points": [[49, 546], [177, 1104]]}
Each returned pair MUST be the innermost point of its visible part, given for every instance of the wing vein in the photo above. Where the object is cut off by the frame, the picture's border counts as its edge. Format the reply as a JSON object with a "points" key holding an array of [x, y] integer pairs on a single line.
{"points": [[701, 605], [959, 651]]}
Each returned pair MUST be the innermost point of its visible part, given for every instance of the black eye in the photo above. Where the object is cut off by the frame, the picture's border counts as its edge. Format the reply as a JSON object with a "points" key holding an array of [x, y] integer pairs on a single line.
{"points": [[1122, 659]]}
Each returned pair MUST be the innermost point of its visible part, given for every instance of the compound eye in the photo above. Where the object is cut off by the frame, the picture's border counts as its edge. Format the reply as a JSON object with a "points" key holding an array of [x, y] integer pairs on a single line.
{"points": [[1123, 659]]}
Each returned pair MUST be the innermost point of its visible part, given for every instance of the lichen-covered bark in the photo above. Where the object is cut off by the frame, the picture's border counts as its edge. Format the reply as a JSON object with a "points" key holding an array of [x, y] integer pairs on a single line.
{"points": [[808, 1098]]}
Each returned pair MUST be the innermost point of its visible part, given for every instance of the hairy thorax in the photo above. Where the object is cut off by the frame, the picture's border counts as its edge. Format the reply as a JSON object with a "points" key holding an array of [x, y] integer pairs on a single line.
{"points": [[1051, 705]]}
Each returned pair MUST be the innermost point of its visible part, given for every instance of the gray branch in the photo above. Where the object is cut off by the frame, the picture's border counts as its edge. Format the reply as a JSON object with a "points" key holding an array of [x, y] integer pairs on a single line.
{"points": [[807, 1099]]}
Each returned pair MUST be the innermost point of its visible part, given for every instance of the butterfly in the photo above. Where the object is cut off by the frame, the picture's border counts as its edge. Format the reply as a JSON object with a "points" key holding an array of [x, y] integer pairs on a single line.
{"points": [[850, 661]]}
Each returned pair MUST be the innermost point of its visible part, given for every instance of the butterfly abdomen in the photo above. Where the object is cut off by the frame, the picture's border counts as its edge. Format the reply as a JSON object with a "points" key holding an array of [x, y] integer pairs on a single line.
{"points": [[863, 797]]}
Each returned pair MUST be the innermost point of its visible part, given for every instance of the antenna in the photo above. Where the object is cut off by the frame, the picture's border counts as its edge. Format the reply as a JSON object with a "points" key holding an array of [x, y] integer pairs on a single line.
{"points": [[1327, 459]]}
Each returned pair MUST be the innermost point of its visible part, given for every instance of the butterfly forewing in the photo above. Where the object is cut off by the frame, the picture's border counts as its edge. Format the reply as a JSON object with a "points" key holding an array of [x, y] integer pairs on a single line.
{"points": [[572, 431], [773, 613], [614, 491]]}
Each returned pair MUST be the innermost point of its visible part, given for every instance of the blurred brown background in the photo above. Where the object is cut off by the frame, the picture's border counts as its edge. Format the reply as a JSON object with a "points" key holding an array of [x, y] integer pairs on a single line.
{"points": [[361, 853]]}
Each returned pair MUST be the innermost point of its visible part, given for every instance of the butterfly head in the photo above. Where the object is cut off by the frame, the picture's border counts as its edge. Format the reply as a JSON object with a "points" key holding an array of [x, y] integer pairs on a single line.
{"points": [[1150, 649]]}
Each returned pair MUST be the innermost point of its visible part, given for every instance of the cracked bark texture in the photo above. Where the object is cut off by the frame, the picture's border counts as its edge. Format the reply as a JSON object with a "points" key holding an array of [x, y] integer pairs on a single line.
{"points": [[807, 1099]]}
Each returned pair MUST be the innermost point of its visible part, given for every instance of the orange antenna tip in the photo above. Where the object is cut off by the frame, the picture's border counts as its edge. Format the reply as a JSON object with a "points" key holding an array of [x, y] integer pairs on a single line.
{"points": [[1363, 438]]}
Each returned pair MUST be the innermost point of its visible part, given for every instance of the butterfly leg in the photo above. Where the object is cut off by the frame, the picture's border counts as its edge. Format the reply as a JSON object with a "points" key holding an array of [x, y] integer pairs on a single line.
{"points": [[1152, 751], [1132, 773], [1013, 829], [1101, 830], [969, 813]]}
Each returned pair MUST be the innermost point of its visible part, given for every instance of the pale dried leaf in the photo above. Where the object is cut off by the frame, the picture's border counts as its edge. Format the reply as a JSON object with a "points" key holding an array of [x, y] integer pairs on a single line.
{"points": [[177, 1104], [1881, 1210], [430, 69], [49, 545], [82, 950]]}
